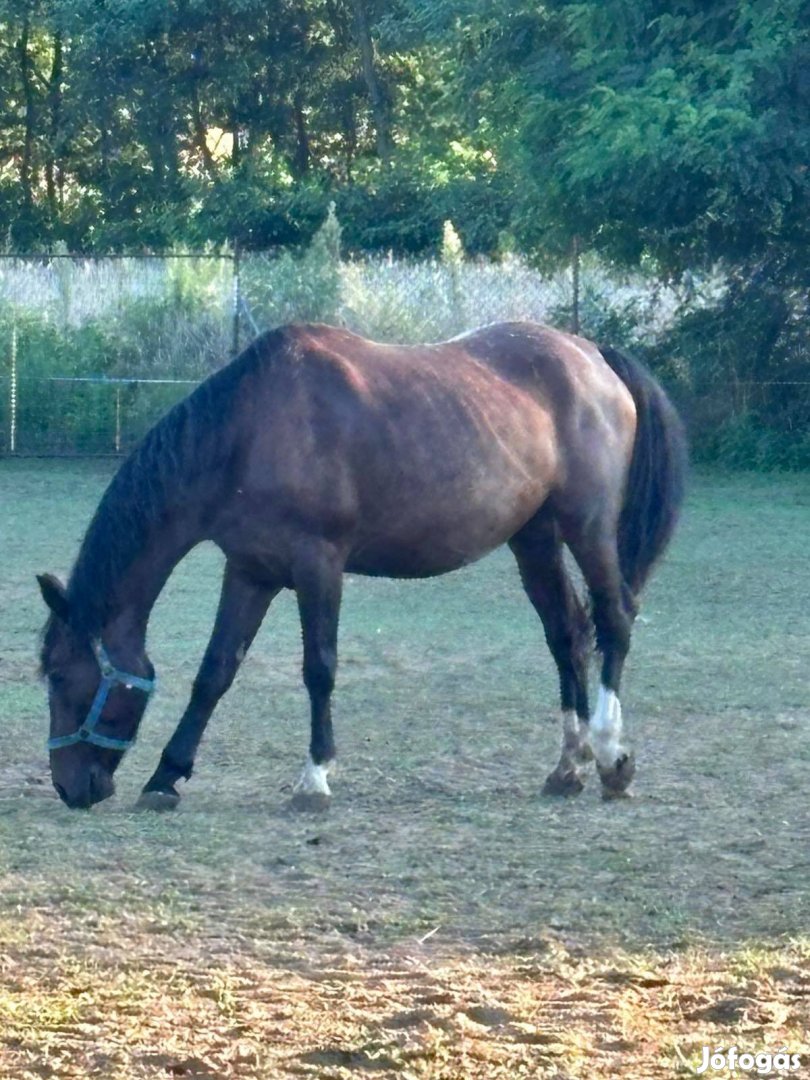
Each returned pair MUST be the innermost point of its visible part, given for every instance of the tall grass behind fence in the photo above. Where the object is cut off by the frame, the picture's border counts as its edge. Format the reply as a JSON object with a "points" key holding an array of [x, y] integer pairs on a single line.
{"points": [[398, 301], [94, 351], [105, 346]]}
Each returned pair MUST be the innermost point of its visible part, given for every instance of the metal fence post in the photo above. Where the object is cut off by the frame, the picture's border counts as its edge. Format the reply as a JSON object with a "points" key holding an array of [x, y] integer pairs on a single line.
{"points": [[118, 419], [12, 434], [237, 300], [575, 284]]}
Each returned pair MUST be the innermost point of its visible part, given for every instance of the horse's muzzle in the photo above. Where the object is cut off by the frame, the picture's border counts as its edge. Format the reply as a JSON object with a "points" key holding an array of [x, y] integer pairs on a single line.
{"points": [[98, 786]]}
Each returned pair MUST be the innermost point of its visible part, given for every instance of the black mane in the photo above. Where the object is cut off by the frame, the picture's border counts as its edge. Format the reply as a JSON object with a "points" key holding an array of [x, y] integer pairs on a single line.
{"points": [[162, 473]]}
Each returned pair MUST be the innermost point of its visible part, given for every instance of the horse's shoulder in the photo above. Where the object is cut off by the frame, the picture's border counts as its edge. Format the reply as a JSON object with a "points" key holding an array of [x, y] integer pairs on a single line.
{"points": [[324, 358], [318, 343]]}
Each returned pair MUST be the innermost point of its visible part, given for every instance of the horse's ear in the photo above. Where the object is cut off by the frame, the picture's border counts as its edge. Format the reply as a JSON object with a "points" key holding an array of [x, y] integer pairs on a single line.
{"points": [[54, 595]]}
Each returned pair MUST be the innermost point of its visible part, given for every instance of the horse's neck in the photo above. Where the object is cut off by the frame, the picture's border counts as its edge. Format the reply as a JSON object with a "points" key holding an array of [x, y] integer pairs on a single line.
{"points": [[124, 632]]}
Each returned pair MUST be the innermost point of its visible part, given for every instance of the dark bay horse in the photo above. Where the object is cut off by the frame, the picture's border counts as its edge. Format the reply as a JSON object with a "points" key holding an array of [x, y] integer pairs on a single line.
{"points": [[317, 452]]}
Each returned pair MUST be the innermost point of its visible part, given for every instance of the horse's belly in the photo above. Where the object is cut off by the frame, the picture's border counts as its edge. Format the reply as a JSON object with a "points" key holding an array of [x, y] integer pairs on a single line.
{"points": [[427, 545], [395, 561]]}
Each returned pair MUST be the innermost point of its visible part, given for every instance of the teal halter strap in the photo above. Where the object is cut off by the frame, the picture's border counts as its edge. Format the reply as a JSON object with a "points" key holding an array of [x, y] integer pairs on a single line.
{"points": [[110, 675]]}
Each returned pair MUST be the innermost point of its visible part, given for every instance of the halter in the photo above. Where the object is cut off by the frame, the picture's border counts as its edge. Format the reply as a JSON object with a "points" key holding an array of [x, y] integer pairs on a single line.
{"points": [[110, 675]]}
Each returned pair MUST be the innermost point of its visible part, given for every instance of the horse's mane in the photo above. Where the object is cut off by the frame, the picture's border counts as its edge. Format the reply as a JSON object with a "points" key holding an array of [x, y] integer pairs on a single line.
{"points": [[193, 440]]}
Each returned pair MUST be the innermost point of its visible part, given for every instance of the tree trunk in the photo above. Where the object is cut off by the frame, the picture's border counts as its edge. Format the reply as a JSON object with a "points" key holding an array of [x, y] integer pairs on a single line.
{"points": [[379, 105], [350, 135], [55, 108], [26, 162], [236, 156], [200, 134], [160, 120]]}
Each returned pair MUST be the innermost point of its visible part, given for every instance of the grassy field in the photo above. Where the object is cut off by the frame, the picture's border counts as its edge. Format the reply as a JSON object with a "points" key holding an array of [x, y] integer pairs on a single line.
{"points": [[441, 920]]}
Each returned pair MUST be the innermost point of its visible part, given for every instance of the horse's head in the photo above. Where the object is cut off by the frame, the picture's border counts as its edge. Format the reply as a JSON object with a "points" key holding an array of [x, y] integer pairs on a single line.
{"points": [[95, 707]]}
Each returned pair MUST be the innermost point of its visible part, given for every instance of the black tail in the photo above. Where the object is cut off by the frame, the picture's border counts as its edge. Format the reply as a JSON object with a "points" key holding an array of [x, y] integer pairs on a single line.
{"points": [[655, 485]]}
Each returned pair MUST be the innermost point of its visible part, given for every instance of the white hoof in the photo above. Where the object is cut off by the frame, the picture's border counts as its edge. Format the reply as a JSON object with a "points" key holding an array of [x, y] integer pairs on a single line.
{"points": [[313, 780]]}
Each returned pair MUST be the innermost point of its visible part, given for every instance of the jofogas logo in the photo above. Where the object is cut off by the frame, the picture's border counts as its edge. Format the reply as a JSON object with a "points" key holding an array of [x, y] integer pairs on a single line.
{"points": [[782, 1062]]}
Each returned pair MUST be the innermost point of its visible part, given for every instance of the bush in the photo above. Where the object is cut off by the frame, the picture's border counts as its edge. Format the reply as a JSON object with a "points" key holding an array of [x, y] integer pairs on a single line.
{"points": [[292, 287], [744, 364], [127, 319]]}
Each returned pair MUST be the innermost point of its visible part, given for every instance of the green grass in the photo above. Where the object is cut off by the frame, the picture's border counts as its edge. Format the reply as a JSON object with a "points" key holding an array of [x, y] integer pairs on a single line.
{"points": [[446, 723]]}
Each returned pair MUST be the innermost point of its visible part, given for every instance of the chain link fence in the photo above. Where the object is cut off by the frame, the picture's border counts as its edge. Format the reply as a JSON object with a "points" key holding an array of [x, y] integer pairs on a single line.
{"points": [[82, 416], [93, 351]]}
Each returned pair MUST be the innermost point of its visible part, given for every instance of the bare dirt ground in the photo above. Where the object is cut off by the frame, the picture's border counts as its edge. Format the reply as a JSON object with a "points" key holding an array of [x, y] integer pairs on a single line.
{"points": [[441, 920], [154, 1006]]}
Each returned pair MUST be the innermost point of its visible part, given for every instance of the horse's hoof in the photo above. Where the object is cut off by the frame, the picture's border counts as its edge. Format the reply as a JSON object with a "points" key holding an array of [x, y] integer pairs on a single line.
{"points": [[610, 795], [310, 802], [565, 783], [617, 778], [157, 801]]}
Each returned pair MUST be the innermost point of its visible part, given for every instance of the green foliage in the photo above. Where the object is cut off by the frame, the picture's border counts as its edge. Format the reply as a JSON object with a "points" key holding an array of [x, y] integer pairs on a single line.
{"points": [[293, 287], [677, 132], [641, 130], [82, 350], [744, 364], [56, 413], [79, 321], [744, 442]]}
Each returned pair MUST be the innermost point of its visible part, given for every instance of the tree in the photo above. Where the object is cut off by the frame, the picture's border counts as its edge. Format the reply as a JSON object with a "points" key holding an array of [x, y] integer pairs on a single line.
{"points": [[133, 123], [678, 131]]}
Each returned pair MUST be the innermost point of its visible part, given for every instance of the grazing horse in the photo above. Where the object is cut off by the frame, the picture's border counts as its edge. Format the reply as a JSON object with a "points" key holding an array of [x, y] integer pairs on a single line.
{"points": [[317, 452]]}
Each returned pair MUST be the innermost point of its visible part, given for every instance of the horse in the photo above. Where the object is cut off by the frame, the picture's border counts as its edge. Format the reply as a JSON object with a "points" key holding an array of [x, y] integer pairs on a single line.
{"points": [[317, 452]]}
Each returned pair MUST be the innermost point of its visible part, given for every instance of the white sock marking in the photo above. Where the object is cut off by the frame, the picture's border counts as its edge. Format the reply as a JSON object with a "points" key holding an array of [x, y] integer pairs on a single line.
{"points": [[570, 729], [606, 728], [571, 739], [313, 779]]}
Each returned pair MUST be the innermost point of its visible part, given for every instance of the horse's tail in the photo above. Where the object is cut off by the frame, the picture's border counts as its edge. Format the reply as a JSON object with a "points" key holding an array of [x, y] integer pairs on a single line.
{"points": [[657, 478]]}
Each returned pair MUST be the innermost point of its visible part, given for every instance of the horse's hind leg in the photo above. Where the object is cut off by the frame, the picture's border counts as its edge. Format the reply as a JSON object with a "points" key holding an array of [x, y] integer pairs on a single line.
{"points": [[318, 579], [538, 550], [596, 552], [242, 606]]}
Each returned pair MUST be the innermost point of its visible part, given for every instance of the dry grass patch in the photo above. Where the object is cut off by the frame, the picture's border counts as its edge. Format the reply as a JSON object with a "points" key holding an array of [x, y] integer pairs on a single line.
{"points": [[127, 1008]]}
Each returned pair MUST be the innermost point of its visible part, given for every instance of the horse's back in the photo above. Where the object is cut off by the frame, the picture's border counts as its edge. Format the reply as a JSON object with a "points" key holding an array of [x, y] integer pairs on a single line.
{"points": [[420, 458], [541, 361], [497, 381]]}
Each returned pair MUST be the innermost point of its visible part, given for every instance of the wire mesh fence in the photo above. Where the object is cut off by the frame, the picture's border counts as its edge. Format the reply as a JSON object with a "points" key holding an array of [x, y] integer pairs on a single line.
{"points": [[83, 416], [94, 350]]}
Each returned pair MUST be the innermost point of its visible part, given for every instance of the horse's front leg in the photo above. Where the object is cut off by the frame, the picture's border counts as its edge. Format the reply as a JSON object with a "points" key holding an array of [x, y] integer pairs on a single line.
{"points": [[318, 580], [242, 606]]}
